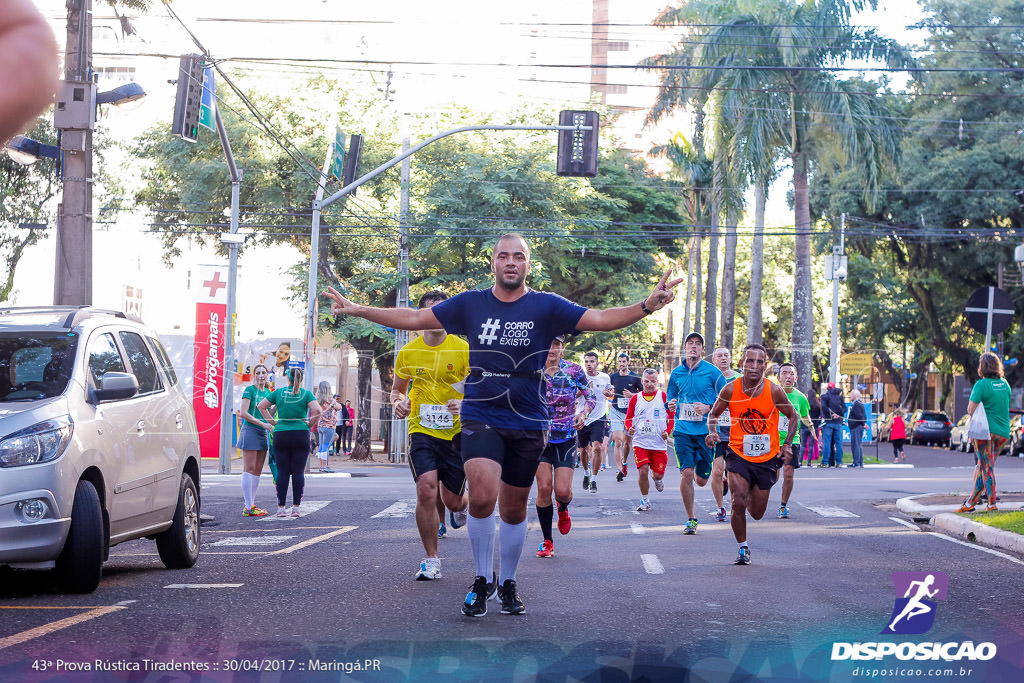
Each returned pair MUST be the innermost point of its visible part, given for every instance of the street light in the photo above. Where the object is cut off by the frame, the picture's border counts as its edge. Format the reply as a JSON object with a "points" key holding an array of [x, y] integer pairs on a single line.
{"points": [[122, 94], [28, 151]]}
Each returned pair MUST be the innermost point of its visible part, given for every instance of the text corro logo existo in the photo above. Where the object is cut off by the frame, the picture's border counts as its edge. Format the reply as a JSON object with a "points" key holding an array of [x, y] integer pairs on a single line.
{"points": [[913, 613]]}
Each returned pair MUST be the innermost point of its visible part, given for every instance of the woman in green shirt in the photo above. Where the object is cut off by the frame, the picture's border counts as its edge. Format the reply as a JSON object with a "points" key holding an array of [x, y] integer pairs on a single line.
{"points": [[253, 440], [993, 392], [297, 412]]}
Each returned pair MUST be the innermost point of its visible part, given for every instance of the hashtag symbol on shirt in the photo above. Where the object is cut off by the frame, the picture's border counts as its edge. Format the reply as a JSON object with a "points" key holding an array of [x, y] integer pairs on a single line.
{"points": [[489, 331]]}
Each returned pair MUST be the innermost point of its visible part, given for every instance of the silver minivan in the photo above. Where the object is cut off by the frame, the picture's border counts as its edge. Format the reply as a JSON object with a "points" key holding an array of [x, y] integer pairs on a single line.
{"points": [[98, 444]]}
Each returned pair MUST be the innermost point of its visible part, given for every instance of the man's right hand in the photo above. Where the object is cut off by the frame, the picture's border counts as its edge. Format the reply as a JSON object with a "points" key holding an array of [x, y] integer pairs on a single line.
{"points": [[402, 408], [340, 305]]}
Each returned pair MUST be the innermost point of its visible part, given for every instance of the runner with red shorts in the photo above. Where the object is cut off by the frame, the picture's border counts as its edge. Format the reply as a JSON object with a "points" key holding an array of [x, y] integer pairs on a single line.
{"points": [[649, 422], [752, 460]]}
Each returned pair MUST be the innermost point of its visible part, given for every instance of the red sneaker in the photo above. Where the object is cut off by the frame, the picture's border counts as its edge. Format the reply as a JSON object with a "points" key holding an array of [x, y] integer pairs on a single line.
{"points": [[564, 523], [546, 549]]}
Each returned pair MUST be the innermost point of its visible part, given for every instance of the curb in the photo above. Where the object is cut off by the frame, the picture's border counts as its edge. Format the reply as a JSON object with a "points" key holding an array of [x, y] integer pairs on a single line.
{"points": [[918, 512], [975, 532]]}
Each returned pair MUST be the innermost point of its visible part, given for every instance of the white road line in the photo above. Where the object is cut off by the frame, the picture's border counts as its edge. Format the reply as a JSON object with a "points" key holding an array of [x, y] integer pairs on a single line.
{"points": [[253, 540], [397, 510], [830, 511], [308, 507], [976, 547], [637, 528], [204, 585], [905, 523], [652, 565]]}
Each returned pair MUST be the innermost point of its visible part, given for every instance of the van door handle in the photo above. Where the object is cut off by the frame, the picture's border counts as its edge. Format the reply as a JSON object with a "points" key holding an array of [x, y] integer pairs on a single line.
{"points": [[178, 422], [141, 427]]}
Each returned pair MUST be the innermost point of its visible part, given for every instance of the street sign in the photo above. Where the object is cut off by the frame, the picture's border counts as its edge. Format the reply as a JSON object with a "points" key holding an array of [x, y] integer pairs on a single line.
{"points": [[986, 302], [855, 364], [338, 163], [206, 116]]}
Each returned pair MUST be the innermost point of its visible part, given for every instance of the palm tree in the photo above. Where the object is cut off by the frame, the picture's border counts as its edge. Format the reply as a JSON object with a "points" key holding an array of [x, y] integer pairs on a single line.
{"points": [[783, 50], [693, 169]]}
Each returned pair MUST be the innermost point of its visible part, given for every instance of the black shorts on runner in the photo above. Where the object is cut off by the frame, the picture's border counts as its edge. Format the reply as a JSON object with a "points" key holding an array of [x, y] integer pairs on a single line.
{"points": [[721, 447], [429, 453], [763, 475], [561, 454], [795, 461], [518, 451], [592, 433]]}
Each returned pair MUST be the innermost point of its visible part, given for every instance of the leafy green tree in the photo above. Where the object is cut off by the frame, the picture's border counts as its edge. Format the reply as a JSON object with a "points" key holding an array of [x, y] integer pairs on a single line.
{"points": [[946, 226], [27, 194], [821, 117]]}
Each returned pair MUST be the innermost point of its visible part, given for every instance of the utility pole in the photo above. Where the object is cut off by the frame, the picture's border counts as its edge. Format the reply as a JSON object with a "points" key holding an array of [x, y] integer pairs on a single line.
{"points": [[836, 272], [233, 240], [72, 283], [399, 428]]}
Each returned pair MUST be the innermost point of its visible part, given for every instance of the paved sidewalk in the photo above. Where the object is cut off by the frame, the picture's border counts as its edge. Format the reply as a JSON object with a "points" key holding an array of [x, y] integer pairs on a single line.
{"points": [[342, 465], [939, 511]]}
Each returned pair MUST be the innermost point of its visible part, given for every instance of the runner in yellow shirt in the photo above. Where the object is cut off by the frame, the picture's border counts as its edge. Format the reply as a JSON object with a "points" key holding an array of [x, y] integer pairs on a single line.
{"points": [[436, 364]]}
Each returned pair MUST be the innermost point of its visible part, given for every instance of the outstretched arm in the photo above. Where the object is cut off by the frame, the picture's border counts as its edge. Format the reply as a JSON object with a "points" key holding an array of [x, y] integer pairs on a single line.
{"points": [[605, 320], [398, 318], [28, 65]]}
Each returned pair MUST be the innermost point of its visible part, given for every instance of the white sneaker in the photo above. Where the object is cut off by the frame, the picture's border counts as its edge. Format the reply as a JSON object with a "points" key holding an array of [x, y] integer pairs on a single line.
{"points": [[458, 518], [644, 506], [659, 485], [430, 569]]}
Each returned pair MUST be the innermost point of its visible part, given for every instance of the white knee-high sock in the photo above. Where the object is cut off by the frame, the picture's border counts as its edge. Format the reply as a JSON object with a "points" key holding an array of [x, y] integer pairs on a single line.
{"points": [[247, 492], [510, 548], [481, 538]]}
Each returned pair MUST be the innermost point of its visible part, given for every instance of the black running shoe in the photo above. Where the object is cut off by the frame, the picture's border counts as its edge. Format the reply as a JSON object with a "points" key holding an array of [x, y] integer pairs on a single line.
{"points": [[511, 603], [476, 600]]}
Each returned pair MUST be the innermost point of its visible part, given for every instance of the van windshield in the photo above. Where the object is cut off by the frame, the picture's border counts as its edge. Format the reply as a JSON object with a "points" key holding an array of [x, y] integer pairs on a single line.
{"points": [[35, 365]]}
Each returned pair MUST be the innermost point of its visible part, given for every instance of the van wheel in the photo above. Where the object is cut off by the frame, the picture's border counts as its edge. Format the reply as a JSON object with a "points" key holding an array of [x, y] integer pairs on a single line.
{"points": [[80, 565], [179, 545]]}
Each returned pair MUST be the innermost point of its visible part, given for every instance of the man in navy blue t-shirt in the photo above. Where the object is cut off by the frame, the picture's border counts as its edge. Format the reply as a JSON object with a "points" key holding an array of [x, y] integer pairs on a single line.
{"points": [[504, 416]]}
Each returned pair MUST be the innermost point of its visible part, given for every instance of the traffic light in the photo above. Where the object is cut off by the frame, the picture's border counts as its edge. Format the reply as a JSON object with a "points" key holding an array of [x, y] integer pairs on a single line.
{"points": [[189, 98], [577, 149], [355, 152]]}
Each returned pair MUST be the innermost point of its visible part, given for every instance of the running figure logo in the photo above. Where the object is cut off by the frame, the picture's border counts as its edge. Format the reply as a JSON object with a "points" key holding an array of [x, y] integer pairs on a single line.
{"points": [[916, 596], [489, 331]]}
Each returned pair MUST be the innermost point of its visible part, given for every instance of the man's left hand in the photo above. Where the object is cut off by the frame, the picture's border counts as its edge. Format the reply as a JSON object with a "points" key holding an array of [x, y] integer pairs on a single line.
{"points": [[664, 292]]}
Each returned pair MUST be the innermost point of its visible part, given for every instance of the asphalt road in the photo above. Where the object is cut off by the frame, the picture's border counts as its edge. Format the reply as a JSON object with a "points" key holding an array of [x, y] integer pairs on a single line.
{"points": [[627, 596]]}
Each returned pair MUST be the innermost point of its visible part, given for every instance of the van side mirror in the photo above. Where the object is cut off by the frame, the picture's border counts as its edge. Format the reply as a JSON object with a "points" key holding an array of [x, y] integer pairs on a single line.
{"points": [[114, 386]]}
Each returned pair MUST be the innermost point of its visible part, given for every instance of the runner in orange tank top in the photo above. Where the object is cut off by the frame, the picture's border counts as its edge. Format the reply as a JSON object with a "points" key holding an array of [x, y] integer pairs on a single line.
{"points": [[752, 459]]}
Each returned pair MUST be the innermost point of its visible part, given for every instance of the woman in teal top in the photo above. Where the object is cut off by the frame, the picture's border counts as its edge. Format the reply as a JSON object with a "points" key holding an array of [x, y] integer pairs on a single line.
{"points": [[297, 412], [253, 439], [993, 392]]}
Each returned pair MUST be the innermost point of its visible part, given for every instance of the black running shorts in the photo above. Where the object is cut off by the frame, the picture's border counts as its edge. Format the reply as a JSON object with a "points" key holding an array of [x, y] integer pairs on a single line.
{"points": [[518, 451], [429, 453], [763, 475], [592, 433], [562, 454], [795, 461]]}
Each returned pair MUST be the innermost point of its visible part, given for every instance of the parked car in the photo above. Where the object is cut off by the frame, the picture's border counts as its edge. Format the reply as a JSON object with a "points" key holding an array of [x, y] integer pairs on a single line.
{"points": [[1015, 446], [98, 444], [958, 436], [885, 427], [929, 427]]}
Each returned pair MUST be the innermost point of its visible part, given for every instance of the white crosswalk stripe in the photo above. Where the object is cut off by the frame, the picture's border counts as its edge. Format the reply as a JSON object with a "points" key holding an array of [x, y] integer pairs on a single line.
{"points": [[253, 540], [830, 511], [397, 510], [652, 565]]}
